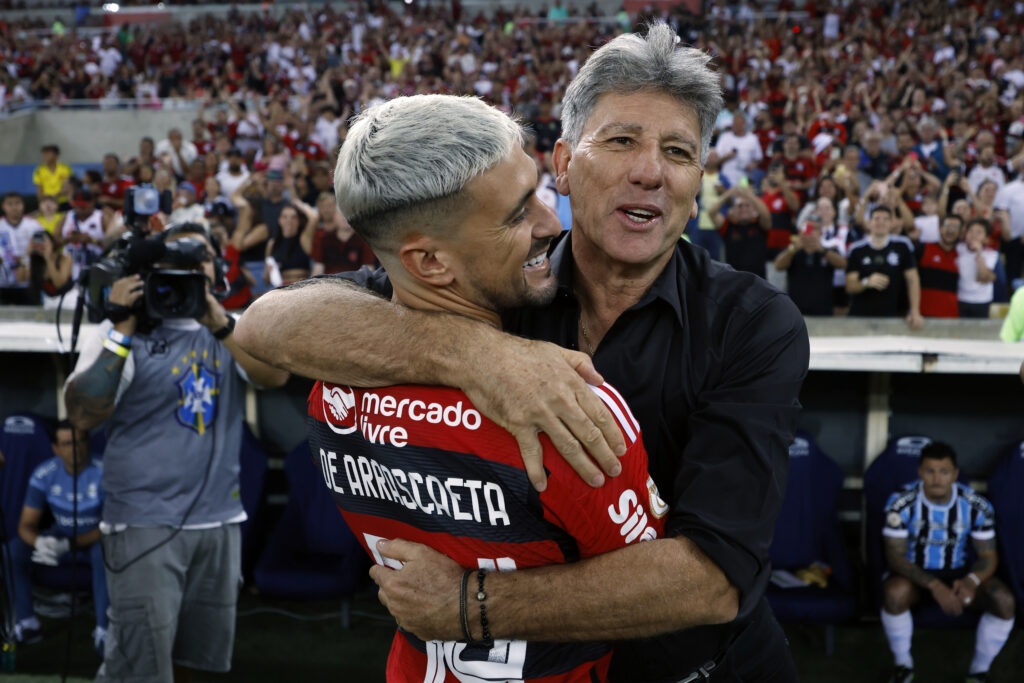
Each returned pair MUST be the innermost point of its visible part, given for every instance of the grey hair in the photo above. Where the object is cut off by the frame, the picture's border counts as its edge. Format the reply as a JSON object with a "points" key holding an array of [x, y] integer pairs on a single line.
{"points": [[410, 158], [631, 63]]}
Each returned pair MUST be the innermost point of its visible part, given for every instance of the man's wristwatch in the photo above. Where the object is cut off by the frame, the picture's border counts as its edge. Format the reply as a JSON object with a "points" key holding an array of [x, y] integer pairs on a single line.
{"points": [[228, 328]]}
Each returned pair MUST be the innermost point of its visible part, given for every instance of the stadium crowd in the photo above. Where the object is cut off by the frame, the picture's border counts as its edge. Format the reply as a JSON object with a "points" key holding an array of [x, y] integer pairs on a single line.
{"points": [[889, 128]]}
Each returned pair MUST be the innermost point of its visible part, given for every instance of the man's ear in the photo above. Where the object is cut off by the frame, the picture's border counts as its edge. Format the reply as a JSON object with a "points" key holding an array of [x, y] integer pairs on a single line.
{"points": [[560, 157], [424, 258]]}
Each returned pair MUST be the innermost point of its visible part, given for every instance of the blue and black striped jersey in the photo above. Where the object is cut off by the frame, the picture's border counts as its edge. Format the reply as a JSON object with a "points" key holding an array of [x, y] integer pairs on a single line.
{"points": [[937, 534]]}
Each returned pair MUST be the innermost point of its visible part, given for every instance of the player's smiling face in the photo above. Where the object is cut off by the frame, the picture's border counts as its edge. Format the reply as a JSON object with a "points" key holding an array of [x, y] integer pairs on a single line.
{"points": [[938, 477], [501, 251]]}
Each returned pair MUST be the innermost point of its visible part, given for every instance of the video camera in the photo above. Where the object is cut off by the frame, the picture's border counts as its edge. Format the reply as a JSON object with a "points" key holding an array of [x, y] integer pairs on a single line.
{"points": [[174, 289]]}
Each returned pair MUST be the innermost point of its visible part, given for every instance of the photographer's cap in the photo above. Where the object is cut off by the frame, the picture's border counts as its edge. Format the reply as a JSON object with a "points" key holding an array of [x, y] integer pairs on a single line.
{"points": [[82, 198], [188, 187]]}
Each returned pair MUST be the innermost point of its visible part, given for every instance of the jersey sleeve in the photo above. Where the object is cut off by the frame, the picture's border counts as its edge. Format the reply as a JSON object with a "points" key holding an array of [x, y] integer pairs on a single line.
{"points": [[983, 527], [853, 263], [627, 509], [909, 258], [897, 518]]}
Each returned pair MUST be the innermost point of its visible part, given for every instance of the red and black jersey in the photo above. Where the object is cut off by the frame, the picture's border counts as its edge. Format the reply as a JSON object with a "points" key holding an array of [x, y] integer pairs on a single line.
{"points": [[940, 277], [203, 146], [307, 148], [782, 221], [116, 189], [800, 170], [422, 464]]}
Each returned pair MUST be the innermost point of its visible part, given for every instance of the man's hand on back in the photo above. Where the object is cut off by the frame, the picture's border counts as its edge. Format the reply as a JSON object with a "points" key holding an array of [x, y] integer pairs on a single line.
{"points": [[529, 387]]}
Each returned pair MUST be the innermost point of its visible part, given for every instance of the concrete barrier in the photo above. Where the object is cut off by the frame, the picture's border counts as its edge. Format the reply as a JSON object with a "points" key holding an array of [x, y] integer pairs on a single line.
{"points": [[84, 136]]}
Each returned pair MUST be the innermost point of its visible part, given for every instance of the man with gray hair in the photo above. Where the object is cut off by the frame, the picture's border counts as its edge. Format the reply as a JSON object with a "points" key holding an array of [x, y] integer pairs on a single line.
{"points": [[710, 360], [441, 188]]}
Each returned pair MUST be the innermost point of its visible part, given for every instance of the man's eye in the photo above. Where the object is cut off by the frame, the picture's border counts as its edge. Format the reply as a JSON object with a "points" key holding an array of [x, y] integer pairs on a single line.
{"points": [[520, 218]]}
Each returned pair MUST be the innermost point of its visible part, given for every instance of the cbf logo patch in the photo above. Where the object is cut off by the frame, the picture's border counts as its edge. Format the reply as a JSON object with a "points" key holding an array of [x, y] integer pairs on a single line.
{"points": [[198, 389]]}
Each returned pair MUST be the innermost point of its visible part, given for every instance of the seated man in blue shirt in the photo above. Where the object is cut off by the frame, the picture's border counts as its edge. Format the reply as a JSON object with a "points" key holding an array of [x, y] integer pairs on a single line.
{"points": [[52, 486]]}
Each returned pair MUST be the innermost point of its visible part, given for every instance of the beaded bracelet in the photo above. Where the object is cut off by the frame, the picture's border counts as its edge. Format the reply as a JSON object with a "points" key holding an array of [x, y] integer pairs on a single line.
{"points": [[481, 596]]}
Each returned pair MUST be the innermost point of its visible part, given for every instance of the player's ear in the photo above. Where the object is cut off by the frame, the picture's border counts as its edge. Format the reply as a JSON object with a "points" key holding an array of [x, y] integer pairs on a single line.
{"points": [[424, 258]]}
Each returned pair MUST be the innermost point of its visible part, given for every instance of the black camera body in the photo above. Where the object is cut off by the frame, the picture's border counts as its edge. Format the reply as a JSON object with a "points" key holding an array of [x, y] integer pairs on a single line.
{"points": [[172, 287]]}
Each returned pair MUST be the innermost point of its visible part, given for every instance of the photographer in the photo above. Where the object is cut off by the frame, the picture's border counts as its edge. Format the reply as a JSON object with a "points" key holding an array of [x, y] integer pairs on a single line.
{"points": [[171, 393]]}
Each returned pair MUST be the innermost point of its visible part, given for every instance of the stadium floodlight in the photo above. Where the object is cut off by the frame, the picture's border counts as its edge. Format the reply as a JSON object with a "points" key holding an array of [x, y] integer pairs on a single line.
{"points": [[111, 7]]}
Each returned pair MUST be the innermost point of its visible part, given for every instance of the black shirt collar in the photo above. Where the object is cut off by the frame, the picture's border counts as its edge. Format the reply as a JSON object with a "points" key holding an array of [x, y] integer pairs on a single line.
{"points": [[667, 287]]}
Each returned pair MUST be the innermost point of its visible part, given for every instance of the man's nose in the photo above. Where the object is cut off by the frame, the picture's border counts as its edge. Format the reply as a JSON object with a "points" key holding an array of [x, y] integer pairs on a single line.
{"points": [[647, 167]]}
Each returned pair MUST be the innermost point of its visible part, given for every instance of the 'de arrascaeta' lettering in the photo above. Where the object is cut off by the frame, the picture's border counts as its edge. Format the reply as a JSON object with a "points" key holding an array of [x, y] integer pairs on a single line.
{"points": [[467, 500]]}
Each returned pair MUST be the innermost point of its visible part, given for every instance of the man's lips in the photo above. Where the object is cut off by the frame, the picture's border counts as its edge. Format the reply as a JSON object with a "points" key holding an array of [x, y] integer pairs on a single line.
{"points": [[639, 214]]}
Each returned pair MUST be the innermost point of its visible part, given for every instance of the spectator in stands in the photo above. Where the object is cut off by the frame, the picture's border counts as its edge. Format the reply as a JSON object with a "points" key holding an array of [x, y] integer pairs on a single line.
{"points": [[51, 176], [288, 252], [930, 147], [200, 140], [881, 275], [927, 528], [336, 246], [987, 169], [984, 207], [810, 269], [835, 236], [177, 152], [239, 279], [16, 224], [976, 264], [926, 225], [744, 229], [74, 532], [16, 230], [799, 169], [713, 184], [874, 161], [739, 151], [216, 202], [48, 215], [938, 270], [49, 270], [783, 203], [85, 229], [186, 207], [114, 184], [1009, 203], [268, 200], [146, 157], [233, 173]]}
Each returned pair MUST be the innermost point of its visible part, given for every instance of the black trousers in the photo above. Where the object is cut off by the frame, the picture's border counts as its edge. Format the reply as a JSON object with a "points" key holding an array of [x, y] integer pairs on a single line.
{"points": [[758, 653]]}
